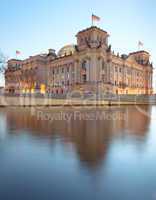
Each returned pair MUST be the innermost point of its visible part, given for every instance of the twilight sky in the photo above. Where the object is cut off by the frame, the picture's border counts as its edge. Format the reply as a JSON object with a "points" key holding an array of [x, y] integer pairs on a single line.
{"points": [[33, 26]]}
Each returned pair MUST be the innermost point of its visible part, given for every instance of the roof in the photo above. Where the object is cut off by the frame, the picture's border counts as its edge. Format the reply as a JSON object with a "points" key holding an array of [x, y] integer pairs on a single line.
{"points": [[92, 28], [136, 52], [17, 60]]}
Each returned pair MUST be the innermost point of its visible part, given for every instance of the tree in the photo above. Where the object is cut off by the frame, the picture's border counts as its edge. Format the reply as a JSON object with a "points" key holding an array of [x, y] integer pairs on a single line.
{"points": [[3, 63]]}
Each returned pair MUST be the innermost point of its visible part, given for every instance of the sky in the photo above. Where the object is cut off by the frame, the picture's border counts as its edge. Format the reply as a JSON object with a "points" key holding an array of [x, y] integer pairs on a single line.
{"points": [[34, 26]]}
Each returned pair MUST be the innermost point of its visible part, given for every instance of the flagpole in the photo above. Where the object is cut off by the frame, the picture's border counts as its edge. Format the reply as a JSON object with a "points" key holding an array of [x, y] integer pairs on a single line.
{"points": [[140, 44], [95, 18]]}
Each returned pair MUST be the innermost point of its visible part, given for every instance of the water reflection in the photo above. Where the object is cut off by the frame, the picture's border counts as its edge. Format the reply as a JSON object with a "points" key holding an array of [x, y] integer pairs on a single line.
{"points": [[78, 158], [91, 138]]}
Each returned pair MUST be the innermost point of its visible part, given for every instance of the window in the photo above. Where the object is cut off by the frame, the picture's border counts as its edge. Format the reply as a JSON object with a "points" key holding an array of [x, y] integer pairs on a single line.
{"points": [[103, 77], [84, 65], [103, 65], [81, 40], [84, 78]]}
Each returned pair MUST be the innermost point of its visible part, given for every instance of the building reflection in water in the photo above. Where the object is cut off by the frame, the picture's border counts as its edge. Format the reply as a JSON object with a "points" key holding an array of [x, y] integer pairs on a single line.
{"points": [[91, 139]]}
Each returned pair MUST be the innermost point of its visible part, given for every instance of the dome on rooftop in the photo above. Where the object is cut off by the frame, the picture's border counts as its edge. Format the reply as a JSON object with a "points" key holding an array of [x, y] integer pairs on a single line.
{"points": [[67, 50]]}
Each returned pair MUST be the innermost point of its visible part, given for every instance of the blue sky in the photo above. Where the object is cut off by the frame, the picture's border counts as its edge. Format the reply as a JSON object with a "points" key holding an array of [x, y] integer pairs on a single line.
{"points": [[33, 26]]}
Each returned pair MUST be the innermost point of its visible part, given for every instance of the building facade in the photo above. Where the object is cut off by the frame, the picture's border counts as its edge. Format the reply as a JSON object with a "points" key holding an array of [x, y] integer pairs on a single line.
{"points": [[88, 66]]}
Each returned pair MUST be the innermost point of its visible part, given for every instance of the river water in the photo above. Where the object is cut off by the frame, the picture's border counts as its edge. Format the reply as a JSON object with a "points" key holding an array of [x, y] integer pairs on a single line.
{"points": [[78, 153]]}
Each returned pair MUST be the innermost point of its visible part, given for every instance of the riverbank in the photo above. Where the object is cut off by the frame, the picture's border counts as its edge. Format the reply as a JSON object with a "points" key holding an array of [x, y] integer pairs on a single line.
{"points": [[6, 101]]}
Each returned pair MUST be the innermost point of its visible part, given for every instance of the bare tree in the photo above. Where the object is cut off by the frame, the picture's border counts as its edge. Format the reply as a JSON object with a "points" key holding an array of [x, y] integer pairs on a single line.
{"points": [[3, 63]]}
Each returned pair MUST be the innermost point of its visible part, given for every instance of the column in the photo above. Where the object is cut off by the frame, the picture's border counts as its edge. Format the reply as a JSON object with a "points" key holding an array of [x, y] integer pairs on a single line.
{"points": [[93, 69], [77, 71], [88, 70]]}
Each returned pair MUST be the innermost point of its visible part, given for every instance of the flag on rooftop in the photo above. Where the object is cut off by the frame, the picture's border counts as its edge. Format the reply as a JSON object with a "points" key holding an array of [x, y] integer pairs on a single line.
{"points": [[140, 44], [18, 52], [95, 18]]}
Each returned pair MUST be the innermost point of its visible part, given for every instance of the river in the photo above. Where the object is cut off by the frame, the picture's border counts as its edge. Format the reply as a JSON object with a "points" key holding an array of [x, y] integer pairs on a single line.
{"points": [[78, 153]]}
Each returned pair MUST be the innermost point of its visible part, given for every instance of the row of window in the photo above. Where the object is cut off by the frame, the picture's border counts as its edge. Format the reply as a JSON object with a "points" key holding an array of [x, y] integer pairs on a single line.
{"points": [[61, 70]]}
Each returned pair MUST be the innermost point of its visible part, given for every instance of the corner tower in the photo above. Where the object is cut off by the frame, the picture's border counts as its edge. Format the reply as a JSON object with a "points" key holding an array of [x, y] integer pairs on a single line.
{"points": [[141, 57], [92, 37]]}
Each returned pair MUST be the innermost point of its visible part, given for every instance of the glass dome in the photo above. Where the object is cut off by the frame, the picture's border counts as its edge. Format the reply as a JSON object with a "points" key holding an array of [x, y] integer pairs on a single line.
{"points": [[67, 50]]}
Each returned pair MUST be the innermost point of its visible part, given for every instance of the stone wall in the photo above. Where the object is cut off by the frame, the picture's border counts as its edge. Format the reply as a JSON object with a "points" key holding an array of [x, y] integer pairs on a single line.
{"points": [[78, 101]]}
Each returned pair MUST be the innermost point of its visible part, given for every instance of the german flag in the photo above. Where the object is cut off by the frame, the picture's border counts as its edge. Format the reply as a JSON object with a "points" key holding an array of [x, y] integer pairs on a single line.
{"points": [[95, 18]]}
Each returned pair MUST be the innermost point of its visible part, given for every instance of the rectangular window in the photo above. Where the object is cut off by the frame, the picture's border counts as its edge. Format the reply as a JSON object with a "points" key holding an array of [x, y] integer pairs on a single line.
{"points": [[103, 77]]}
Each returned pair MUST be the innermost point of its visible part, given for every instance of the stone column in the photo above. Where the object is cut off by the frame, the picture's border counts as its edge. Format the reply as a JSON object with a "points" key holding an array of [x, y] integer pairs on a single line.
{"points": [[93, 69], [99, 69], [77, 71], [88, 70], [111, 73], [151, 79], [108, 72], [70, 74], [124, 75]]}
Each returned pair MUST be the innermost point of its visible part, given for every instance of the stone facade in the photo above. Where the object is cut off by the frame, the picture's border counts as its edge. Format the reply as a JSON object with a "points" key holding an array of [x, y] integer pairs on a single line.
{"points": [[26, 76], [88, 66]]}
